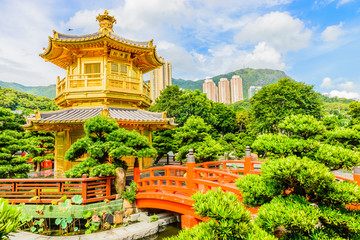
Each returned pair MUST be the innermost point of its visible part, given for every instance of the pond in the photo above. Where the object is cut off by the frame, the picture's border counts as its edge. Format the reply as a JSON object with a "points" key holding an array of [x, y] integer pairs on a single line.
{"points": [[170, 230]]}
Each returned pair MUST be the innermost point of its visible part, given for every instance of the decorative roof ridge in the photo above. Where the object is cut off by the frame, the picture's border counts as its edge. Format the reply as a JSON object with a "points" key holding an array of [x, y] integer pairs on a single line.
{"points": [[133, 42]]}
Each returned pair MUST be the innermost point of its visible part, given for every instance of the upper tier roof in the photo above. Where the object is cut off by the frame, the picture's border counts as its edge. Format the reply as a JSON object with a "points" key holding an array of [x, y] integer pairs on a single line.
{"points": [[93, 36], [63, 49]]}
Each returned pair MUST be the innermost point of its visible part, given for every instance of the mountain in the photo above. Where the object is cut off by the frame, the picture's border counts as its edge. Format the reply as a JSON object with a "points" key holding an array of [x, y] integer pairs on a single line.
{"points": [[27, 103], [43, 91], [250, 77]]}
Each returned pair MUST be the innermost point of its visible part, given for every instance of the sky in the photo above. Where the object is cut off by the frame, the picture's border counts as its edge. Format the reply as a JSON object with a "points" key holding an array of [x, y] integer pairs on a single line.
{"points": [[315, 42]]}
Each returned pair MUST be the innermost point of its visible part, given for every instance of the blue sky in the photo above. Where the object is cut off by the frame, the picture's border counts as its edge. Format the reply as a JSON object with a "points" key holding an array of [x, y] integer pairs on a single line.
{"points": [[316, 42]]}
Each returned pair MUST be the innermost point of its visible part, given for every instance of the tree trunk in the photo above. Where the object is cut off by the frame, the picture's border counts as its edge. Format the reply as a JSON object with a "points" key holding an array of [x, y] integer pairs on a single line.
{"points": [[158, 159], [38, 167], [120, 180]]}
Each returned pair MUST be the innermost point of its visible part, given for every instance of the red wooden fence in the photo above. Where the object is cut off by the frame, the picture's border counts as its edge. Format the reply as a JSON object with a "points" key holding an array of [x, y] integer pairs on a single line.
{"points": [[47, 190]]}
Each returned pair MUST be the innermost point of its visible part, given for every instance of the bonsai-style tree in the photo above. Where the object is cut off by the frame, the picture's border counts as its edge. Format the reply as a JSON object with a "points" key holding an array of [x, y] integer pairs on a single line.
{"points": [[227, 219], [106, 145], [42, 145], [12, 141], [300, 199]]}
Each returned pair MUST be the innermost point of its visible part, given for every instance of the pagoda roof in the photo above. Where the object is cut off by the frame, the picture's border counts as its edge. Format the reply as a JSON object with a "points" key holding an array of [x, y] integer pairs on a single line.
{"points": [[94, 36], [63, 49], [82, 114]]}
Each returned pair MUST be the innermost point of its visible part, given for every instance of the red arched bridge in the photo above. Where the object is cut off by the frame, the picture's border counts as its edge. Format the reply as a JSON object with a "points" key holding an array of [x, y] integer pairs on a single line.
{"points": [[171, 187]]}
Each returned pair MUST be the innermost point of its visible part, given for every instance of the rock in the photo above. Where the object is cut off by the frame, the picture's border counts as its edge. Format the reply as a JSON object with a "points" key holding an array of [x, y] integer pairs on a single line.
{"points": [[118, 217], [120, 180], [127, 204], [254, 157], [128, 212], [134, 217]]}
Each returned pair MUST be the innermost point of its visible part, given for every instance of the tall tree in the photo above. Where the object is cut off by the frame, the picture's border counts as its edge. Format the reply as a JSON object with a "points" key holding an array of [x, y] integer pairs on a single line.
{"points": [[163, 142], [278, 100], [195, 134], [12, 141]]}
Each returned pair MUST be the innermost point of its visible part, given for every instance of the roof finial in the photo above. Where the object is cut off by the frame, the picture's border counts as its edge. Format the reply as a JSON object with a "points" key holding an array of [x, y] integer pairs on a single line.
{"points": [[106, 21]]}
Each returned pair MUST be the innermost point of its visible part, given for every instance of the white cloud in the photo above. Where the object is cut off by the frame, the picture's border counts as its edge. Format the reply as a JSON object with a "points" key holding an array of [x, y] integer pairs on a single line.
{"points": [[344, 94], [342, 2], [278, 29], [347, 85], [327, 83], [332, 33], [178, 56]]}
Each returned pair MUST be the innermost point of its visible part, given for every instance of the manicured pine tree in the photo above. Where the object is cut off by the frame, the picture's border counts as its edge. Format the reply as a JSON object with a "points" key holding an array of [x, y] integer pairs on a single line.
{"points": [[42, 145], [12, 141], [106, 144]]}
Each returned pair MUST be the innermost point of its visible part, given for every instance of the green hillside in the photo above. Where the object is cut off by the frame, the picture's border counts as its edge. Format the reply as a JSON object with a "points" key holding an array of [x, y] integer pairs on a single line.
{"points": [[17, 100], [44, 91], [251, 77]]}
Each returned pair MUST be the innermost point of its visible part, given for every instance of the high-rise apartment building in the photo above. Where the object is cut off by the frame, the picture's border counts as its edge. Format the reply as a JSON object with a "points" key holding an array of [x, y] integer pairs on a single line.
{"points": [[236, 89], [159, 79], [224, 91], [210, 89], [253, 90]]}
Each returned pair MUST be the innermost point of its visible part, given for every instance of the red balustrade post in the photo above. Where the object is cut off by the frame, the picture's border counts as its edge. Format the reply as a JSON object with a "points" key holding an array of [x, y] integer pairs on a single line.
{"points": [[108, 186], [190, 164], [248, 159], [357, 175], [84, 188], [136, 170]]}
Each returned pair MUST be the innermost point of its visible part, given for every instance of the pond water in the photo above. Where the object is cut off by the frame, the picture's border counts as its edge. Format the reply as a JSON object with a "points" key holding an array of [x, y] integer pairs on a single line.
{"points": [[170, 230]]}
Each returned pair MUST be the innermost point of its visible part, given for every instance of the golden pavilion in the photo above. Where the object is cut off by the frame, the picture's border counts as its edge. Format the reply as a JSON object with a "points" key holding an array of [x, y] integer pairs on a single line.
{"points": [[104, 76]]}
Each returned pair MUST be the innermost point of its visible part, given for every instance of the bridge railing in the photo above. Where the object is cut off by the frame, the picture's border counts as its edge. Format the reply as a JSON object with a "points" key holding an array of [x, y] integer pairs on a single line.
{"points": [[184, 180]]}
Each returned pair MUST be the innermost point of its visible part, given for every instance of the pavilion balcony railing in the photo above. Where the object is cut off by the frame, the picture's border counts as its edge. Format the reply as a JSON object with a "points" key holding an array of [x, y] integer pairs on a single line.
{"points": [[48, 190], [99, 81]]}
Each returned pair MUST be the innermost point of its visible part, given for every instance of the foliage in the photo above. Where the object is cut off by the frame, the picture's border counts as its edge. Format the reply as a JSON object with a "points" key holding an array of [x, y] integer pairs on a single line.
{"points": [[106, 144], [195, 135], [42, 143], [9, 218], [347, 138], [279, 145], [11, 141], [154, 218], [242, 120], [257, 190], [336, 157], [163, 142], [331, 122], [182, 104], [305, 126], [130, 193], [305, 202], [16, 100], [275, 102], [294, 213], [228, 219], [223, 118], [354, 110]]}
